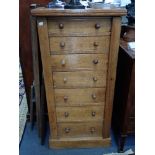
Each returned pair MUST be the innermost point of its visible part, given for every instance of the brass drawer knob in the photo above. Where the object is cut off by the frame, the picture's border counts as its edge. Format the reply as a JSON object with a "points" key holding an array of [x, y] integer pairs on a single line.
{"points": [[93, 96], [62, 44], [63, 62], [97, 25], [95, 79], [61, 26], [95, 44], [92, 130], [65, 80], [65, 98], [67, 130], [95, 61], [66, 114], [93, 113]]}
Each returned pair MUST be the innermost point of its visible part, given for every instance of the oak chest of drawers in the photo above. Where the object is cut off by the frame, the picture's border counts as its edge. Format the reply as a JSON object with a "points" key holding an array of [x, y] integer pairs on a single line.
{"points": [[79, 55]]}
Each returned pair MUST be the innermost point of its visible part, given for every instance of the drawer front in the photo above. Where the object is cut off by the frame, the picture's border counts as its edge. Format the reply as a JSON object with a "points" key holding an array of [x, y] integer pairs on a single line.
{"points": [[80, 79], [61, 45], [93, 129], [79, 62], [71, 27], [80, 114], [87, 96]]}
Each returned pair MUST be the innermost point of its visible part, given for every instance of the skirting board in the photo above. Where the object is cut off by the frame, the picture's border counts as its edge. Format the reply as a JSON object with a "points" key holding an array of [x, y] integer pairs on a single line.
{"points": [[79, 142]]}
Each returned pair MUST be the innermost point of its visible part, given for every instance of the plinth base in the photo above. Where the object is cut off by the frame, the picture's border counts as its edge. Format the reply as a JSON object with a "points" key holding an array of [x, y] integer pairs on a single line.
{"points": [[86, 142]]}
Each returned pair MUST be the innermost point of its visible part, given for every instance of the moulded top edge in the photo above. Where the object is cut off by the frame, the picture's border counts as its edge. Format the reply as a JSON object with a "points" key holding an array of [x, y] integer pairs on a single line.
{"points": [[42, 11]]}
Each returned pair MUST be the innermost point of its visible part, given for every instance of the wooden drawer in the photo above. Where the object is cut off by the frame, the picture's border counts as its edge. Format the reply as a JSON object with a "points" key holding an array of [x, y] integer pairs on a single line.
{"points": [[79, 27], [81, 79], [86, 96], [79, 114], [93, 129], [62, 45], [79, 62]]}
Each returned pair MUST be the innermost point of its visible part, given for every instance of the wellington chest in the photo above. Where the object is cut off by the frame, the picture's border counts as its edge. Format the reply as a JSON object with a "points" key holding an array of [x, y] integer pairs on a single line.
{"points": [[79, 51]]}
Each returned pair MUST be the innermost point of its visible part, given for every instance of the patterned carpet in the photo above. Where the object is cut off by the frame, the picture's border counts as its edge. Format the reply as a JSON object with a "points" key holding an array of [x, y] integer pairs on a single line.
{"points": [[22, 105]]}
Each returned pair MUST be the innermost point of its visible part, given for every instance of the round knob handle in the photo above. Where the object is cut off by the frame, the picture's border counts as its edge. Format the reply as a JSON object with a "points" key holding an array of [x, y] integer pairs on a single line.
{"points": [[66, 114], [95, 79], [93, 96], [62, 44], [65, 98], [67, 130], [92, 130], [93, 113], [97, 26], [65, 80], [63, 62], [61, 26], [95, 44], [95, 61]]}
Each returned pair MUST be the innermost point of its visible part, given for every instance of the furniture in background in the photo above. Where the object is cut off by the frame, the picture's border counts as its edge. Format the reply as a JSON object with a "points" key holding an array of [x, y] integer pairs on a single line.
{"points": [[38, 90], [123, 120], [79, 50], [30, 61], [25, 51]]}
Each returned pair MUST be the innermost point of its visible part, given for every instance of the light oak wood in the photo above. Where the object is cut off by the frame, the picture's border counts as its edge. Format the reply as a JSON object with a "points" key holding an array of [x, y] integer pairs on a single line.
{"points": [[80, 114], [79, 62], [79, 142], [111, 77], [93, 129], [79, 27], [62, 45], [44, 47], [68, 66], [79, 96], [42, 11], [82, 79]]}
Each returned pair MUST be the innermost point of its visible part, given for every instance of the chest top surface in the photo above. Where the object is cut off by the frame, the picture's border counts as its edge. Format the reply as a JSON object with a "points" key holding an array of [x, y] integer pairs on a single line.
{"points": [[42, 11]]}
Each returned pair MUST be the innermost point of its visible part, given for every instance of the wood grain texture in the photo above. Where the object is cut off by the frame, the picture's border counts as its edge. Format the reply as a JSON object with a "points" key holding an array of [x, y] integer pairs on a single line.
{"points": [[80, 114], [82, 79], [36, 71], [111, 76], [79, 96], [79, 12], [69, 66], [93, 129], [79, 142], [79, 62], [44, 48], [62, 45], [79, 26]]}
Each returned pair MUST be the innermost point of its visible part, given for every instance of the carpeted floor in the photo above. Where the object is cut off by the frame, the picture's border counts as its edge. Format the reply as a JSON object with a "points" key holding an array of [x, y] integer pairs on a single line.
{"points": [[22, 105], [30, 145]]}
